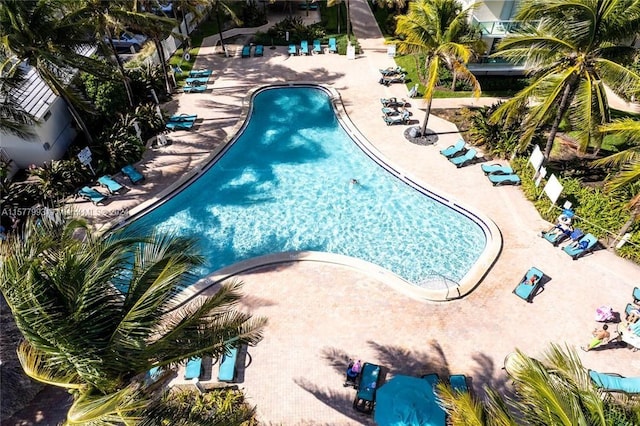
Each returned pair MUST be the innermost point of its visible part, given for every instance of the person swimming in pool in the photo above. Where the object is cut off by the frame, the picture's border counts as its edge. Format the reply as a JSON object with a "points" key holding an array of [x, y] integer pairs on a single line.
{"points": [[354, 181]]}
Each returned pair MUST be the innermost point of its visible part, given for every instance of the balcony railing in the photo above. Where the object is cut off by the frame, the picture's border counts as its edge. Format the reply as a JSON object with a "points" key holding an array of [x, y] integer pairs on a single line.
{"points": [[498, 28]]}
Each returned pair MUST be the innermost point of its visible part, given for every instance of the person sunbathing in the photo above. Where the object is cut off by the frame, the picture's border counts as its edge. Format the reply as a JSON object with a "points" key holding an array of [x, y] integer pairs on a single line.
{"points": [[532, 280], [582, 244]]}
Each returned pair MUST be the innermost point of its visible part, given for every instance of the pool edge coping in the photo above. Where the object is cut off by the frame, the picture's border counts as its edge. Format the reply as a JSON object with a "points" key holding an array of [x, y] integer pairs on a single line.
{"points": [[464, 286]]}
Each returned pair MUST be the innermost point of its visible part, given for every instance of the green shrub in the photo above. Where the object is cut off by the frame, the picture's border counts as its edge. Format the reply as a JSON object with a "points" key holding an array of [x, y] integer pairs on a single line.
{"points": [[252, 16], [108, 97], [296, 28], [119, 145], [143, 79], [57, 179], [597, 211], [498, 139]]}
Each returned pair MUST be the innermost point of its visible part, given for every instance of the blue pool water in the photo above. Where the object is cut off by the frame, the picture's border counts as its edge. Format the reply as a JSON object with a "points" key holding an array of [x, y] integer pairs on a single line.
{"points": [[285, 185]]}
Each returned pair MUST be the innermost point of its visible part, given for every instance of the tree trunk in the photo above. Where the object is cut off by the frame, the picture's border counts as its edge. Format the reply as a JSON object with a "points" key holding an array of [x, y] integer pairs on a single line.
{"points": [[220, 28], [423, 130], [163, 62], [453, 81], [635, 211], [348, 23], [562, 109], [125, 80]]}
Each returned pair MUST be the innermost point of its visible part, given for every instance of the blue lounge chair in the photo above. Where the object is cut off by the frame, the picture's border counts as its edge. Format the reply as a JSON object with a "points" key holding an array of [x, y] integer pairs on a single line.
{"points": [[317, 47], [200, 73], [432, 378], [179, 125], [369, 381], [153, 375], [458, 383], [528, 286], [636, 295], [193, 369], [392, 103], [184, 118], [333, 48], [199, 88], [628, 309], [391, 71], [464, 159], [497, 180], [388, 111], [581, 247], [557, 234], [193, 81], [402, 118], [227, 370], [611, 382], [133, 174], [259, 51], [96, 197], [304, 47], [246, 51], [455, 149], [496, 169], [292, 49], [112, 186]]}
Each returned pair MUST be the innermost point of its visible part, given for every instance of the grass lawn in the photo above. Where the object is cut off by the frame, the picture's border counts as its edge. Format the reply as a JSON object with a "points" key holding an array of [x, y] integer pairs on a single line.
{"points": [[205, 29]]}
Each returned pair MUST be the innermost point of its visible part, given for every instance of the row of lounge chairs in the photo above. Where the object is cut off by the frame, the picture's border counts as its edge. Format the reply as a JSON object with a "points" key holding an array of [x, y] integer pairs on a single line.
{"points": [[226, 371], [460, 155], [181, 122], [258, 51], [111, 185], [579, 245], [197, 81], [304, 48], [369, 380]]}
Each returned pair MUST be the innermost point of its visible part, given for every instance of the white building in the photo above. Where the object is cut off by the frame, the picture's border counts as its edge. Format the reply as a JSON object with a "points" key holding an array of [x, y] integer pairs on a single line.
{"points": [[495, 20]]}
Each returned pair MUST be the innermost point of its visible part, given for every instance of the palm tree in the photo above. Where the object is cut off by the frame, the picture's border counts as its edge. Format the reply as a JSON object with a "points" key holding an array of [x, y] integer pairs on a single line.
{"points": [[332, 3], [627, 164], [107, 17], [97, 313], [50, 37], [438, 29], [576, 48], [222, 8], [157, 28], [13, 118], [554, 391]]}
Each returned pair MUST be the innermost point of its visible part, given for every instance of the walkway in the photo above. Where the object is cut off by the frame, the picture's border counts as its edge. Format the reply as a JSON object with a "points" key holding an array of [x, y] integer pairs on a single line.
{"points": [[320, 315]]}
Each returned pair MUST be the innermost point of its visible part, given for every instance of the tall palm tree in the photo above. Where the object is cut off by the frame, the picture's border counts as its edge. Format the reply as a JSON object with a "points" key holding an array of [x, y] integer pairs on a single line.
{"points": [[50, 36], [554, 391], [110, 17], [220, 9], [332, 3], [13, 118], [626, 165], [438, 29], [575, 49], [97, 313], [157, 28]]}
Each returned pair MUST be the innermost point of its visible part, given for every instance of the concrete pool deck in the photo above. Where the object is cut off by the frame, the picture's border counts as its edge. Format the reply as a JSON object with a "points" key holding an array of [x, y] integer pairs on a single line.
{"points": [[320, 315]]}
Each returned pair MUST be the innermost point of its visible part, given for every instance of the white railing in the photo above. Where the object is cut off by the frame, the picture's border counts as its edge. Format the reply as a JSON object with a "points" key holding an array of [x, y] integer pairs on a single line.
{"points": [[499, 28]]}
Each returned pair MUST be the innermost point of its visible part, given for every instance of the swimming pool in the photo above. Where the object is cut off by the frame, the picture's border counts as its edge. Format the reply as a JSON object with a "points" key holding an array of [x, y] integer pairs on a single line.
{"points": [[285, 185]]}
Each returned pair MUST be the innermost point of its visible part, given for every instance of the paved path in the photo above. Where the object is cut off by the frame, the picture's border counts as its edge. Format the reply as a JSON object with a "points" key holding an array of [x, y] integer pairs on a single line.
{"points": [[320, 314]]}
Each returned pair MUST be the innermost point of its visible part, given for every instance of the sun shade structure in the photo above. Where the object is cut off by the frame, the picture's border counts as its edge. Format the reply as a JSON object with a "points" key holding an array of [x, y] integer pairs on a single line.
{"points": [[408, 401]]}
